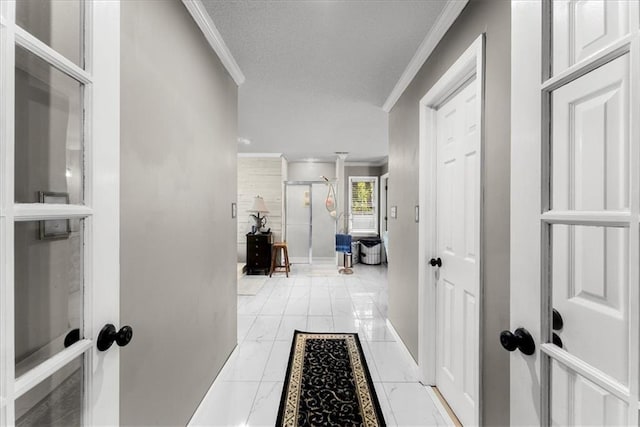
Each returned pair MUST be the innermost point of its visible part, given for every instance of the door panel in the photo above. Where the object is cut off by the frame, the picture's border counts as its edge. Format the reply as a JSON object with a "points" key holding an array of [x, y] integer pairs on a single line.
{"points": [[49, 292], [581, 28], [457, 231], [49, 128], [590, 291], [590, 148], [576, 401], [576, 154], [59, 206], [56, 401]]}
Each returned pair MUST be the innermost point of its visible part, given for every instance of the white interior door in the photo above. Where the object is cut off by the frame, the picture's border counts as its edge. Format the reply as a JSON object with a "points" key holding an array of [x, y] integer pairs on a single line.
{"points": [[59, 209], [456, 235], [575, 238]]}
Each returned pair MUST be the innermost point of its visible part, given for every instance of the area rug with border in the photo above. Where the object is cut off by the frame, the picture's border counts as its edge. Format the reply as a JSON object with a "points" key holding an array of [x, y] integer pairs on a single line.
{"points": [[328, 383]]}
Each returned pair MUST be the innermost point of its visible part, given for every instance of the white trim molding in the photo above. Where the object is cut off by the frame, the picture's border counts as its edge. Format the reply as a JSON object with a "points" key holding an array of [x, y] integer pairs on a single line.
{"points": [[205, 23], [274, 155], [448, 15]]}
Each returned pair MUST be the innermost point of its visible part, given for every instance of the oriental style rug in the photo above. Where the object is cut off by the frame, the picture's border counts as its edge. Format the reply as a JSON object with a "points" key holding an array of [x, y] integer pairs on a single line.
{"points": [[328, 384]]}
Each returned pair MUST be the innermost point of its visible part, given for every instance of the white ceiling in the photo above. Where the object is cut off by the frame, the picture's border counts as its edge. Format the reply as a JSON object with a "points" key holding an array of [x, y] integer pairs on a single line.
{"points": [[318, 72]]}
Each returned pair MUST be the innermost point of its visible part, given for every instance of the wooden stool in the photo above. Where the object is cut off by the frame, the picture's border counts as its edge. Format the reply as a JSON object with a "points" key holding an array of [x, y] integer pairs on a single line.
{"points": [[275, 259]]}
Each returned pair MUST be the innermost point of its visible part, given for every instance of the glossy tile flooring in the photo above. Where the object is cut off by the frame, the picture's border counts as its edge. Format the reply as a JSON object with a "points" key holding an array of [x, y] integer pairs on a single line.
{"points": [[314, 298]]}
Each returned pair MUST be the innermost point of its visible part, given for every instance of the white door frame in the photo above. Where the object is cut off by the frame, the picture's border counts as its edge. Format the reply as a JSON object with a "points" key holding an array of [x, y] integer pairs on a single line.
{"points": [[384, 179], [469, 65]]}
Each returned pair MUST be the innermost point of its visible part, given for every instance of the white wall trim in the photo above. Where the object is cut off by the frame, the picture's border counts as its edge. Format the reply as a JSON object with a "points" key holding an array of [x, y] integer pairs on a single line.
{"points": [[403, 347], [211, 33], [374, 164], [271, 155], [199, 413], [469, 64], [439, 29]]}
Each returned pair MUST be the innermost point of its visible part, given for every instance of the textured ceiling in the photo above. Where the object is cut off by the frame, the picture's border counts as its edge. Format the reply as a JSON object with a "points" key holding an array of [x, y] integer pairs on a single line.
{"points": [[318, 72]]}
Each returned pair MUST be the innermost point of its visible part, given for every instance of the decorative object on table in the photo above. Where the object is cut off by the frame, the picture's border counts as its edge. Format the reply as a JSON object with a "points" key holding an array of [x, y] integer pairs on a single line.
{"points": [[328, 381], [259, 207], [54, 229], [259, 253], [343, 244]]}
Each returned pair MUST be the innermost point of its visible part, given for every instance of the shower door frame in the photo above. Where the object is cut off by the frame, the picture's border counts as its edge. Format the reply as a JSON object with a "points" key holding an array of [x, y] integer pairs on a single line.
{"points": [[286, 210]]}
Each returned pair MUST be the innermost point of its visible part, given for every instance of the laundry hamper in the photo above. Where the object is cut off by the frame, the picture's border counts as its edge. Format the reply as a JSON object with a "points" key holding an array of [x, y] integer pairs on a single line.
{"points": [[370, 251]]}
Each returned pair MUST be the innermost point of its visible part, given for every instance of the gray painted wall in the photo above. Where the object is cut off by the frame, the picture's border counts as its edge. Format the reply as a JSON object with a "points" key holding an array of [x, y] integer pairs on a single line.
{"points": [[310, 171], [493, 18], [178, 170]]}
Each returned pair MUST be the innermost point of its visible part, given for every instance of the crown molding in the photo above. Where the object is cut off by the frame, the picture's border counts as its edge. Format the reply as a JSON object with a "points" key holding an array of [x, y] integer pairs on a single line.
{"points": [[373, 164], [274, 155], [211, 33], [439, 29]]}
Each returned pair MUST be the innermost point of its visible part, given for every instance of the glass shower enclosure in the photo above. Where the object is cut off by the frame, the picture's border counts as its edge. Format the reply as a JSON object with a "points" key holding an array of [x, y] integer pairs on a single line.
{"points": [[309, 227]]}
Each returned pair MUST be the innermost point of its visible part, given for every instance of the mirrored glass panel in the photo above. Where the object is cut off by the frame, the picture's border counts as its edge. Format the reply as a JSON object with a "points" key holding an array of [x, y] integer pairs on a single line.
{"points": [[590, 293], [56, 401], [57, 23], [324, 225], [48, 131], [48, 289], [298, 222]]}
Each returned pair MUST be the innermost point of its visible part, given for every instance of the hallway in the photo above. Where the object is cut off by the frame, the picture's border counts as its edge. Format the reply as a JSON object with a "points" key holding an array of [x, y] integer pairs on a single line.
{"points": [[314, 298]]}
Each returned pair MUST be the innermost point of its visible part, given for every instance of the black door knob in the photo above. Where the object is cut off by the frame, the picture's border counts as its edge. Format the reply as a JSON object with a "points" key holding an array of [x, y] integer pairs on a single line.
{"points": [[558, 323], [556, 340], [520, 339], [435, 262], [108, 335]]}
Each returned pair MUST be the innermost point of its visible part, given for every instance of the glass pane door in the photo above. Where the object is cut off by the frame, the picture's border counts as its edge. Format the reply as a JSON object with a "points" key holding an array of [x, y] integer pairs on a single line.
{"points": [[298, 222], [49, 98], [323, 231]]}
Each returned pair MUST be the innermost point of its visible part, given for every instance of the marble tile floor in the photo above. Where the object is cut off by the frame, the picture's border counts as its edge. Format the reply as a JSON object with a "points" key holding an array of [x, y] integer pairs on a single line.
{"points": [[314, 298]]}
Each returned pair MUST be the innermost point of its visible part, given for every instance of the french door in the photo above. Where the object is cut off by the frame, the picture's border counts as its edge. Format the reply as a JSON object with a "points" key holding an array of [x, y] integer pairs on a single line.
{"points": [[59, 210], [575, 198]]}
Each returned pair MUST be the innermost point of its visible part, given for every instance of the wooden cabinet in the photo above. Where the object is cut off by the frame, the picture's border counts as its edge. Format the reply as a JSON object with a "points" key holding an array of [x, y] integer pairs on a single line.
{"points": [[259, 253]]}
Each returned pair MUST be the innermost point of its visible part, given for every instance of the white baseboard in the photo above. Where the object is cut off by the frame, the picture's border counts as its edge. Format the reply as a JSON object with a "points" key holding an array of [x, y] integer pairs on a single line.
{"points": [[432, 394], [195, 418], [404, 348]]}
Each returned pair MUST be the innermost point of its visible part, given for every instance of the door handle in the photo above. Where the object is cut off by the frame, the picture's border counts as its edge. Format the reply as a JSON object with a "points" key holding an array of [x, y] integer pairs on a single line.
{"points": [[557, 322], [435, 262], [556, 340], [520, 339], [108, 335]]}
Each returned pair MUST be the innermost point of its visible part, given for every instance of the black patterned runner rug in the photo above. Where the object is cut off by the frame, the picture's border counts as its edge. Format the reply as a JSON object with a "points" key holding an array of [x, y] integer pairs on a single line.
{"points": [[328, 384]]}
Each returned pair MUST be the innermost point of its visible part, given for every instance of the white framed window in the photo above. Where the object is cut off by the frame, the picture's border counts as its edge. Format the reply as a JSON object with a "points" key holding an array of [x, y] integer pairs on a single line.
{"points": [[363, 205]]}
